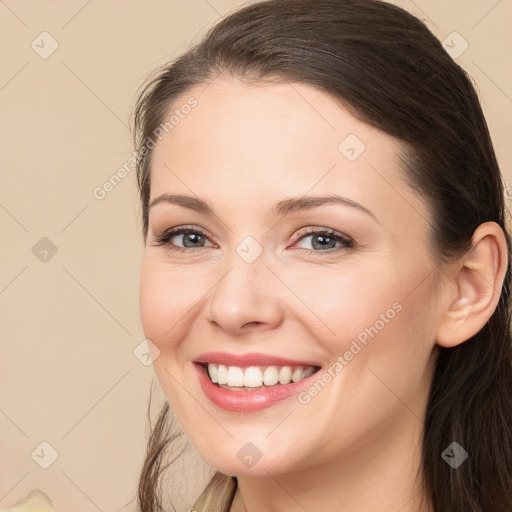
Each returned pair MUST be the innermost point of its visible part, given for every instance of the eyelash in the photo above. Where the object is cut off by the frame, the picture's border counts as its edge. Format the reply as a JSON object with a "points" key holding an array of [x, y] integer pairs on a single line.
{"points": [[163, 238]]}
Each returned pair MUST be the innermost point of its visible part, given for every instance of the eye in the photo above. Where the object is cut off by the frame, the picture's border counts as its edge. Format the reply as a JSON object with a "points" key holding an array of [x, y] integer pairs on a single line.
{"points": [[323, 240], [183, 239], [193, 239]]}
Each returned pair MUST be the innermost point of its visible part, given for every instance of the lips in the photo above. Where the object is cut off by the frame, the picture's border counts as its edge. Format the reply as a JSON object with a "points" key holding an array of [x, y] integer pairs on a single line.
{"points": [[250, 359], [251, 395]]}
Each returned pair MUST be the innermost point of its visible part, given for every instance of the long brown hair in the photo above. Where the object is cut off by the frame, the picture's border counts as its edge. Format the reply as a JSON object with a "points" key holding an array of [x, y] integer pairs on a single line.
{"points": [[391, 72]]}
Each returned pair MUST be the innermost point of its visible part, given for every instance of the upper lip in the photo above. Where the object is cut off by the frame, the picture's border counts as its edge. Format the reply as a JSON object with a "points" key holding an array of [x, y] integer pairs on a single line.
{"points": [[249, 359]]}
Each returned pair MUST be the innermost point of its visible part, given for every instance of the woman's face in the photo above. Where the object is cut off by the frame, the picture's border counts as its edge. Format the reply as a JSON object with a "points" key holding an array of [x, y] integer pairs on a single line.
{"points": [[300, 247]]}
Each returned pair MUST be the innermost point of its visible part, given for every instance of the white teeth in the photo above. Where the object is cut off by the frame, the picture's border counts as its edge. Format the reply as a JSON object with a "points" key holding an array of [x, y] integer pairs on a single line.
{"points": [[271, 376], [213, 370], [222, 374], [285, 375], [253, 377], [298, 374], [308, 371], [256, 376], [235, 376]]}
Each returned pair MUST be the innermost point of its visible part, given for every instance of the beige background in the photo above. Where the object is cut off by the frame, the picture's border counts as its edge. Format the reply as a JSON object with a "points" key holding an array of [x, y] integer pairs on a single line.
{"points": [[69, 325]]}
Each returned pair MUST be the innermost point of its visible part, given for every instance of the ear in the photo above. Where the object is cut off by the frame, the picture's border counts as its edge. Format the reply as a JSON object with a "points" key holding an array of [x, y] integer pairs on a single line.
{"points": [[475, 288]]}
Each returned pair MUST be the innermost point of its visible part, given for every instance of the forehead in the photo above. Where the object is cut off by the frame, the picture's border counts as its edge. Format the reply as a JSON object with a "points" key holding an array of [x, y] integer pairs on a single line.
{"points": [[274, 140], [268, 121]]}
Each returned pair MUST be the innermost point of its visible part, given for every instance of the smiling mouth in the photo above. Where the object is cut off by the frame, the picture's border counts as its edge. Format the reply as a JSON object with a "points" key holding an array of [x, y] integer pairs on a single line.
{"points": [[252, 378]]}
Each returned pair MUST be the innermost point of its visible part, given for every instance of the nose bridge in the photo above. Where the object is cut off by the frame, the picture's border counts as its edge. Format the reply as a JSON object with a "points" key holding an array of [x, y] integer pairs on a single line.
{"points": [[245, 295]]}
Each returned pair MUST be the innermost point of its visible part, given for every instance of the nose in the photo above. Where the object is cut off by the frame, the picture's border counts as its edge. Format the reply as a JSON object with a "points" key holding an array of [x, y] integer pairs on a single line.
{"points": [[246, 298]]}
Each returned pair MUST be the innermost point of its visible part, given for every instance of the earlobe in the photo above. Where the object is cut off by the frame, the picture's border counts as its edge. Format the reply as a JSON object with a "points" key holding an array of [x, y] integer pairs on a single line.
{"points": [[477, 280]]}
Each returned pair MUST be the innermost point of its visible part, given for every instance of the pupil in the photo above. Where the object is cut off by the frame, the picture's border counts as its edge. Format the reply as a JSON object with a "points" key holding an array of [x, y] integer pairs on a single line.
{"points": [[323, 241], [194, 238]]}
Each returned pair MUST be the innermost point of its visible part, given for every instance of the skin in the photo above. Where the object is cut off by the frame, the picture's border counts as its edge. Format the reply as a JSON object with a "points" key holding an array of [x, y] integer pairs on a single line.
{"points": [[356, 444]]}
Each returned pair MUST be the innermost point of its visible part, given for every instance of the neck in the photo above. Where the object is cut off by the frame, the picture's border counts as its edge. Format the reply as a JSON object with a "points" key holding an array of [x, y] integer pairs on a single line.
{"points": [[382, 474]]}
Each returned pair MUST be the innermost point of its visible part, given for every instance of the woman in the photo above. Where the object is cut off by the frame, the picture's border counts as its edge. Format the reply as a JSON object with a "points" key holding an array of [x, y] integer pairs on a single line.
{"points": [[325, 278]]}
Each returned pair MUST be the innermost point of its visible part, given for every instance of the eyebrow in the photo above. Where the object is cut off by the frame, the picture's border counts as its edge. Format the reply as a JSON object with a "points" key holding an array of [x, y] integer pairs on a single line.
{"points": [[280, 209]]}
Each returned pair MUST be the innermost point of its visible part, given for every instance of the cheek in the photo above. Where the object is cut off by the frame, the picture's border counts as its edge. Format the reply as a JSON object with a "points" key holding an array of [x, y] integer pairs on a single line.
{"points": [[167, 298], [341, 301], [371, 316]]}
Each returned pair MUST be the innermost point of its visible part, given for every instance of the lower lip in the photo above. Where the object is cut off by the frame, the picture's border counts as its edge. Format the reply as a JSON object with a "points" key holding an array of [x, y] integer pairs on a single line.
{"points": [[248, 401]]}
